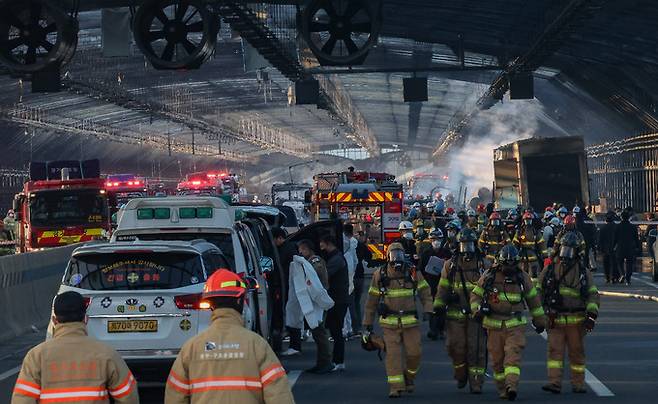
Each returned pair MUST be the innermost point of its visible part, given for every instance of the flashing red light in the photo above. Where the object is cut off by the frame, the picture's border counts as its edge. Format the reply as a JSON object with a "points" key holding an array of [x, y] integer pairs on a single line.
{"points": [[116, 184], [445, 177], [131, 183], [196, 182], [192, 302], [137, 183]]}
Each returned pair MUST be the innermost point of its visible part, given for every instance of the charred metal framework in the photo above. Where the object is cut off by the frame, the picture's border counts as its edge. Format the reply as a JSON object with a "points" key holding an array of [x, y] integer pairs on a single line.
{"points": [[625, 173]]}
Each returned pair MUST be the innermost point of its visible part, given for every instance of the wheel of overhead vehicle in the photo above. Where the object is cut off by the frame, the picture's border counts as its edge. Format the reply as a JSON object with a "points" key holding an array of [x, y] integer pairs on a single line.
{"points": [[341, 32], [175, 34], [35, 34]]}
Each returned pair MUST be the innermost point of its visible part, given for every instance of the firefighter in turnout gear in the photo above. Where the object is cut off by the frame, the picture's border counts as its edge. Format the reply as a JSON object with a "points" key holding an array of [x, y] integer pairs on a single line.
{"points": [[466, 341], [227, 363], [392, 295], [571, 301], [72, 367], [568, 226], [493, 238], [499, 300], [531, 245]]}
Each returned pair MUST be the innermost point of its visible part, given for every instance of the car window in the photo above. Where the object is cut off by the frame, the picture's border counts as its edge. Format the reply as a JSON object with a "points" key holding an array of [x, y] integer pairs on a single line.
{"points": [[134, 271], [214, 261], [223, 241], [248, 255]]}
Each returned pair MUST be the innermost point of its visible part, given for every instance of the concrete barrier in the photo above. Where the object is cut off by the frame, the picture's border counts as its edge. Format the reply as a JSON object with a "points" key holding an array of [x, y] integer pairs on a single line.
{"points": [[28, 283]]}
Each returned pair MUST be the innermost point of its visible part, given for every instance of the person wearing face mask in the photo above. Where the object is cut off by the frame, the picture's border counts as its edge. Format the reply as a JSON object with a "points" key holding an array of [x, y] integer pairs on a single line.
{"points": [[452, 229], [492, 239], [465, 338], [571, 301], [499, 301], [392, 295], [531, 245], [407, 239], [562, 213], [568, 226], [428, 266]]}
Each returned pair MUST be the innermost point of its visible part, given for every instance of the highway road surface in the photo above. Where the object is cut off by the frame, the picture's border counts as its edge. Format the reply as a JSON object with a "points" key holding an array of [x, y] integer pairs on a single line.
{"points": [[622, 364]]}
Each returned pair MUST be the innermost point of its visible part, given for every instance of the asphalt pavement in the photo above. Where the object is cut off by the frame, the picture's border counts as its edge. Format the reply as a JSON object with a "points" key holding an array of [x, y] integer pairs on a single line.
{"points": [[622, 362]]}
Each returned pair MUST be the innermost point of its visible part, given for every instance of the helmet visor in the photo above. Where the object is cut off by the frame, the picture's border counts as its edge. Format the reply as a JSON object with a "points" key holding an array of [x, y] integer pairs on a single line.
{"points": [[396, 255], [567, 252], [466, 247]]}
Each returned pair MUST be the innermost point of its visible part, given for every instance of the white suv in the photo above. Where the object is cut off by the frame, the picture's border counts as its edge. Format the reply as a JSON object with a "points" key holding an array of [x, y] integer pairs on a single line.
{"points": [[144, 297]]}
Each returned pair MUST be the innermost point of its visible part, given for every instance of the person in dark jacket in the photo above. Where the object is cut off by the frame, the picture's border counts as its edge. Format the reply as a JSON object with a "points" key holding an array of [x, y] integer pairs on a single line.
{"points": [[606, 246], [339, 292], [627, 245]]}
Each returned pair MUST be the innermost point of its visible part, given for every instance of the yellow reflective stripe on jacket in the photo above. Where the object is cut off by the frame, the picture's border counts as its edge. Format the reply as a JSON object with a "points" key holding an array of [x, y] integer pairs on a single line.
{"points": [[592, 307], [455, 314], [510, 297], [569, 319], [593, 289], [399, 293], [403, 320], [532, 293], [475, 306], [551, 364], [478, 291], [469, 285], [444, 282], [537, 312], [438, 302], [569, 292], [511, 323], [373, 291], [422, 285]]}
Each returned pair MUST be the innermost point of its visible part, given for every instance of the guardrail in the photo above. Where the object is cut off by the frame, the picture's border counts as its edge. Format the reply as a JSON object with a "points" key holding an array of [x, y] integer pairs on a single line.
{"points": [[28, 283]]}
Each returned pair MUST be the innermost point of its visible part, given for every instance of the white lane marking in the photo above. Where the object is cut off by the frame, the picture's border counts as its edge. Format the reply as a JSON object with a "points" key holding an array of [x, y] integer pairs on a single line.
{"points": [[653, 285], [293, 375], [9, 373], [596, 385], [592, 381]]}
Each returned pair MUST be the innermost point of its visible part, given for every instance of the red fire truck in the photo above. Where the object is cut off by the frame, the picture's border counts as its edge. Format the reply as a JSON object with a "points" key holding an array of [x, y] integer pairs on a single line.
{"points": [[210, 183], [371, 202], [64, 202], [123, 187]]}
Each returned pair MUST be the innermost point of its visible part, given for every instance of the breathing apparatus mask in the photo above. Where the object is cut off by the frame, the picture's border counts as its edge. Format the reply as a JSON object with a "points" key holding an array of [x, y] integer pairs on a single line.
{"points": [[397, 259], [408, 235], [495, 222]]}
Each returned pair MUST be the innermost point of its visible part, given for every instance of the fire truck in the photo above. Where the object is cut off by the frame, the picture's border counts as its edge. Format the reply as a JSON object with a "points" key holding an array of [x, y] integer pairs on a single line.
{"points": [[63, 202], [210, 183], [371, 202], [123, 187]]}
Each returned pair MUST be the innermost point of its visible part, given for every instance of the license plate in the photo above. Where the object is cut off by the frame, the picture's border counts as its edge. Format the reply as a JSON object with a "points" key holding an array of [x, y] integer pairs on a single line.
{"points": [[132, 326]]}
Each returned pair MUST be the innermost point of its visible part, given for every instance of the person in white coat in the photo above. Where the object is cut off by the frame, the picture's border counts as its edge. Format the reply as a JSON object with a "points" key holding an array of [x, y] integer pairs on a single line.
{"points": [[308, 300], [349, 251]]}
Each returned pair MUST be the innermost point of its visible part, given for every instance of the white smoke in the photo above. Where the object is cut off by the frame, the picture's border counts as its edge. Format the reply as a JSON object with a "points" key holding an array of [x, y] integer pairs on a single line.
{"points": [[508, 121]]}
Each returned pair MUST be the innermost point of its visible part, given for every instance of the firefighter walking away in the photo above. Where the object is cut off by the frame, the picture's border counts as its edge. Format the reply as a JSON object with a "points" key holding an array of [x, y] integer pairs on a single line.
{"points": [[499, 301], [466, 341], [227, 363], [571, 301], [392, 295]]}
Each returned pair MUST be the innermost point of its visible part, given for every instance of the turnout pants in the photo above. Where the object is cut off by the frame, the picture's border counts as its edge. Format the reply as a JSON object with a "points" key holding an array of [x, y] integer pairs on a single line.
{"points": [[506, 348], [466, 345], [561, 338], [403, 352]]}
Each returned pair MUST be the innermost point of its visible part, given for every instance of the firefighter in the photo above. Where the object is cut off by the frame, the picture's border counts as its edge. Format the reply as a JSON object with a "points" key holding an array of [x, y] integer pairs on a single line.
{"points": [[492, 239], [571, 301], [227, 363], [482, 217], [562, 213], [568, 226], [452, 229], [472, 220], [406, 229], [531, 245], [422, 243], [73, 367], [432, 273], [392, 295], [498, 301], [466, 341]]}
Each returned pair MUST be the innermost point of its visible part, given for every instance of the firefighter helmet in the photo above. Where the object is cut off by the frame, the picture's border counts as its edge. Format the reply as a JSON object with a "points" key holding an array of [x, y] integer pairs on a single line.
{"points": [[470, 213], [494, 216], [454, 225], [224, 283], [569, 220], [436, 234], [508, 255], [406, 225]]}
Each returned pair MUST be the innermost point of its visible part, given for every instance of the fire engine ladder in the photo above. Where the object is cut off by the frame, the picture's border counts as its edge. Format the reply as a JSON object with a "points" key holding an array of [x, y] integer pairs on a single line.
{"points": [[260, 36]]}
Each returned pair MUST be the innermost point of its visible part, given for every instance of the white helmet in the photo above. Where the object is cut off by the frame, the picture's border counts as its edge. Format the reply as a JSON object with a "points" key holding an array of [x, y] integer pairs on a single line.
{"points": [[548, 214], [405, 225], [416, 205], [470, 213], [430, 205], [576, 209]]}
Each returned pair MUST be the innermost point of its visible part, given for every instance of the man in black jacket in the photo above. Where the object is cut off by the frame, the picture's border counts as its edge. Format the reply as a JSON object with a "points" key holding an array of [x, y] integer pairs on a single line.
{"points": [[339, 292], [627, 245], [606, 246]]}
